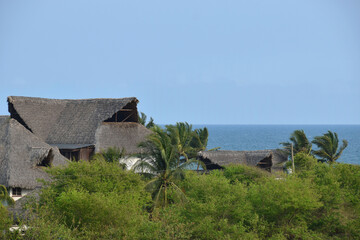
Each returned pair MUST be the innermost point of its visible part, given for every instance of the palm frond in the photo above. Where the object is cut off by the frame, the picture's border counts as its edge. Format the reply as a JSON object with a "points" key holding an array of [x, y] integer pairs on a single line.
{"points": [[299, 141], [4, 196], [179, 192], [342, 148], [328, 147], [142, 118]]}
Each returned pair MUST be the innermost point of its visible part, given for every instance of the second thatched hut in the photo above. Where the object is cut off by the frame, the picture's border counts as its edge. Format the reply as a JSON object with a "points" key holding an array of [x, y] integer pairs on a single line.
{"points": [[269, 160]]}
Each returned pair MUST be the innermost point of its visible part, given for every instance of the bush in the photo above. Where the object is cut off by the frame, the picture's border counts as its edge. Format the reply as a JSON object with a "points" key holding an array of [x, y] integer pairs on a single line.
{"points": [[338, 186], [304, 161], [284, 202], [100, 200], [5, 220], [215, 208], [348, 176], [244, 174], [97, 200]]}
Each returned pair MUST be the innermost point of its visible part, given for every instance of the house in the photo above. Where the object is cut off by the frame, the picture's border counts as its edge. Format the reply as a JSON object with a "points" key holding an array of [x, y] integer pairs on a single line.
{"points": [[81, 127], [19, 211], [269, 160], [23, 157]]}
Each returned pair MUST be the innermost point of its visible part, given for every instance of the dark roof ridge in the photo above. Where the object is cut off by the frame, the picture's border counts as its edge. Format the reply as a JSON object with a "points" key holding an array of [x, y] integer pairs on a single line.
{"points": [[12, 98]]}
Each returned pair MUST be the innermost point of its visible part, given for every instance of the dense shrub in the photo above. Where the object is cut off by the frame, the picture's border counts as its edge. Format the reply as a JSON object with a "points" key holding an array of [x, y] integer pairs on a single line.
{"points": [[5, 220], [244, 174], [100, 200], [284, 203], [304, 161], [337, 185], [348, 176], [217, 209], [97, 200]]}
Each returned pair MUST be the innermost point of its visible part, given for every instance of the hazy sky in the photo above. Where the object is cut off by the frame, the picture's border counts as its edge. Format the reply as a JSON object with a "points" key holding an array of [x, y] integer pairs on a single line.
{"points": [[212, 62]]}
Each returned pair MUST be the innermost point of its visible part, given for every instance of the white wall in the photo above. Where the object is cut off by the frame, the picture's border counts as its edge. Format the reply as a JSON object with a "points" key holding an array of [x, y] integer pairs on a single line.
{"points": [[23, 193]]}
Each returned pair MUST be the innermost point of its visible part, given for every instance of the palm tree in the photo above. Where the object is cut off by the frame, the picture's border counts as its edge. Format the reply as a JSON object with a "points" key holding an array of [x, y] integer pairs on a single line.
{"points": [[151, 123], [142, 121], [181, 136], [160, 162], [142, 118], [328, 144], [4, 196], [299, 141], [200, 139]]}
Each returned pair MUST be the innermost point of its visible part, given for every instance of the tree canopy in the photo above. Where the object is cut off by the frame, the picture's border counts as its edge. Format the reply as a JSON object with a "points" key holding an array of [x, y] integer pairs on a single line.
{"points": [[100, 200]]}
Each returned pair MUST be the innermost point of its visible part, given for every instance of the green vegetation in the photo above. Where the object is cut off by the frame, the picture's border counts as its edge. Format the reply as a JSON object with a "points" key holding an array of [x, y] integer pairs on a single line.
{"points": [[4, 196], [161, 161], [328, 146], [303, 161], [299, 141], [5, 199], [142, 121], [329, 149], [112, 154], [181, 136], [160, 199], [200, 139], [100, 200]]}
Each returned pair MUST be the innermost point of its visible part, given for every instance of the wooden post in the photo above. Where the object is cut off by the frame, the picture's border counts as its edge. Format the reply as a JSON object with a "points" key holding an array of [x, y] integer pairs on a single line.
{"points": [[292, 158]]}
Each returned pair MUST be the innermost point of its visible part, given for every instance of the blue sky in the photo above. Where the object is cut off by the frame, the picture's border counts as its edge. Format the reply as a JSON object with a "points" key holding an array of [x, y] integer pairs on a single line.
{"points": [[205, 62]]}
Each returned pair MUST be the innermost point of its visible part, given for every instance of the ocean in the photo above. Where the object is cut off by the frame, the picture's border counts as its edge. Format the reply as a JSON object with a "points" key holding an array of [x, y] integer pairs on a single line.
{"points": [[258, 137]]}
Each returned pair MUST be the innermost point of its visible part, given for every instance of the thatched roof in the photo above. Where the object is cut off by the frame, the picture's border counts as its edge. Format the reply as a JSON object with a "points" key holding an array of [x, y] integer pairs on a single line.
{"points": [[71, 146], [218, 159], [20, 154], [67, 121], [3, 118], [125, 135]]}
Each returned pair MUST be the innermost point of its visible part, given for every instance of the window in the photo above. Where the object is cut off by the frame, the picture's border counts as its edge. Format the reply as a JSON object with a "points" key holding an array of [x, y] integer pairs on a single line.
{"points": [[71, 154], [16, 191]]}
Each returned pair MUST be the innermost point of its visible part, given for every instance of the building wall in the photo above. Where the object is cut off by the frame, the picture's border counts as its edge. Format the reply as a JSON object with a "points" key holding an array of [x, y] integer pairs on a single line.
{"points": [[125, 135], [24, 192], [86, 153]]}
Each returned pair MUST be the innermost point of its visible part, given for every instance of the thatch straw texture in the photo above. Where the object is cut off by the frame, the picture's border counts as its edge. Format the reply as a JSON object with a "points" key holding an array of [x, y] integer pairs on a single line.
{"points": [[125, 135], [20, 153], [219, 159], [3, 118], [66, 121]]}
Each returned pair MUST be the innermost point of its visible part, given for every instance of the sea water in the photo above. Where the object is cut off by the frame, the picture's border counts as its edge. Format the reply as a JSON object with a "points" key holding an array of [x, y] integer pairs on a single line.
{"points": [[259, 137]]}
